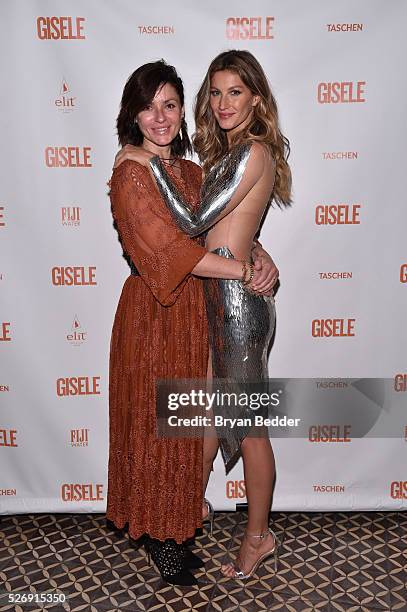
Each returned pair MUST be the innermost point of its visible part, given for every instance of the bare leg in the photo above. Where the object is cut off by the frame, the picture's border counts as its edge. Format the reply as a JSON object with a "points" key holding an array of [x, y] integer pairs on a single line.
{"points": [[259, 472], [210, 444]]}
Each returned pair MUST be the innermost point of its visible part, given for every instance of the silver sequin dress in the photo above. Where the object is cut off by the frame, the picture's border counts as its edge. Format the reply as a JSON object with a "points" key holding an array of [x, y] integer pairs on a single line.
{"points": [[240, 324]]}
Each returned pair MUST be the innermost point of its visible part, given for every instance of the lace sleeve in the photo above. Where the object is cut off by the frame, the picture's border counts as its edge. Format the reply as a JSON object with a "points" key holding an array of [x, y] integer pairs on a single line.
{"points": [[161, 252]]}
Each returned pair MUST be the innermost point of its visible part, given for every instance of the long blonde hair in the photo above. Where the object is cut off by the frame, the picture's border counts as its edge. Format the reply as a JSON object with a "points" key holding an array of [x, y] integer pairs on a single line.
{"points": [[210, 141]]}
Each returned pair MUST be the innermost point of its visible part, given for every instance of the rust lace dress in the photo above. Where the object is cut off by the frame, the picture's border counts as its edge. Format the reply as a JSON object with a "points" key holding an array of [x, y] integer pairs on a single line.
{"points": [[159, 331]]}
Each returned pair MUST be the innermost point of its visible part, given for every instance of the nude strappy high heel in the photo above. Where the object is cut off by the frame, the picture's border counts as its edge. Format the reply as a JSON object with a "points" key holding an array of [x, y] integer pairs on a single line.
{"points": [[240, 575], [210, 517]]}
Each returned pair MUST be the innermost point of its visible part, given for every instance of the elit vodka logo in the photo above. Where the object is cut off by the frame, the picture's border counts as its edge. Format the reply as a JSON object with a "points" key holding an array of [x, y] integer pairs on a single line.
{"points": [[77, 335], [65, 102]]}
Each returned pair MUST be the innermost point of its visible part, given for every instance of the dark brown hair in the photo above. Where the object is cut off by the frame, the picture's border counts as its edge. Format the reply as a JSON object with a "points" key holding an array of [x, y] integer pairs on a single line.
{"points": [[138, 92]]}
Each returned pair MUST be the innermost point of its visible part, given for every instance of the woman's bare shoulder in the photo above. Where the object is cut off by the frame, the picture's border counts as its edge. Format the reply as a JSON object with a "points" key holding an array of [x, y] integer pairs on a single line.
{"points": [[260, 151], [260, 161]]}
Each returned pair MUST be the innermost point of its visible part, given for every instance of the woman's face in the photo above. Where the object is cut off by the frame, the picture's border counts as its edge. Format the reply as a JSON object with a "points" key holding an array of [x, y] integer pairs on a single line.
{"points": [[160, 121], [231, 100]]}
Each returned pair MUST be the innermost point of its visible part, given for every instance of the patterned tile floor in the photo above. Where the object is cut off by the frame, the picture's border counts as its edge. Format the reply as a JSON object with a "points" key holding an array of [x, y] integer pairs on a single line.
{"points": [[327, 561]]}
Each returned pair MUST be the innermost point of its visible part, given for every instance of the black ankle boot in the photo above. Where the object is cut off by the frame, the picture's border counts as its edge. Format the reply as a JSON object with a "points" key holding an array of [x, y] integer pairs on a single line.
{"points": [[169, 557], [191, 560]]}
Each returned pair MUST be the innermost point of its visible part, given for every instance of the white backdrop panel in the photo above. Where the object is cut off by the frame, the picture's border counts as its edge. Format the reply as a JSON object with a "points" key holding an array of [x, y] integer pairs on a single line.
{"points": [[49, 332]]}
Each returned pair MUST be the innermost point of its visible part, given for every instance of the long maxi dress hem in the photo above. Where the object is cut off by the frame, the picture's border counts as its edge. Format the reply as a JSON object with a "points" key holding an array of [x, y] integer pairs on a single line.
{"points": [[154, 484]]}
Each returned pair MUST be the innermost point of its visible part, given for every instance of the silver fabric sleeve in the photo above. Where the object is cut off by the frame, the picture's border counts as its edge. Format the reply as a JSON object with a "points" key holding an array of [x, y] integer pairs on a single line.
{"points": [[217, 191]]}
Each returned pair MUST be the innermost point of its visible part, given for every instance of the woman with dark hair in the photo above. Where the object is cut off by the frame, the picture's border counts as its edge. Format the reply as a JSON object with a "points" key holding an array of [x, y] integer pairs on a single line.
{"points": [[160, 328], [241, 147]]}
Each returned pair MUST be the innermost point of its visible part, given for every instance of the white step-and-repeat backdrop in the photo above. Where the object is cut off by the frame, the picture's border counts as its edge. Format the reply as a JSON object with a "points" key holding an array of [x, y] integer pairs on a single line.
{"points": [[336, 69]]}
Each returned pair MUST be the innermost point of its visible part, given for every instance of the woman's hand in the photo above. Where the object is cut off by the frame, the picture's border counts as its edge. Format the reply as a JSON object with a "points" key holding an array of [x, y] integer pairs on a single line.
{"points": [[138, 154], [267, 272], [257, 274]]}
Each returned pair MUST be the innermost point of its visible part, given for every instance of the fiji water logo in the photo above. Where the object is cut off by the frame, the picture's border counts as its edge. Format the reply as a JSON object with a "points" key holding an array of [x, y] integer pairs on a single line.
{"points": [[71, 216]]}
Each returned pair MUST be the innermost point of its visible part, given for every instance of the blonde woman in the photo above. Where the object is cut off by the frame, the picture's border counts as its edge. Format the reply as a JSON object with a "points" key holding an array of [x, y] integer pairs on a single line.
{"points": [[243, 153]]}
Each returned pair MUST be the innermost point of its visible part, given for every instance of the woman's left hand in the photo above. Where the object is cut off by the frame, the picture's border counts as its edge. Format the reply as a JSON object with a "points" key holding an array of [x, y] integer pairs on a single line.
{"points": [[137, 154], [268, 272]]}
